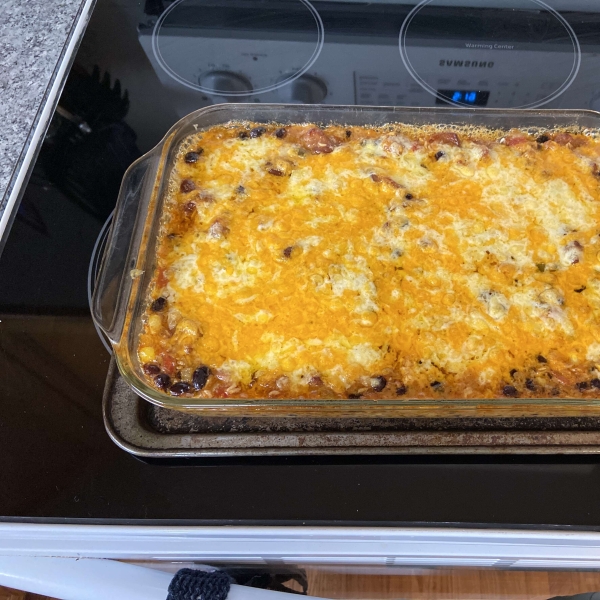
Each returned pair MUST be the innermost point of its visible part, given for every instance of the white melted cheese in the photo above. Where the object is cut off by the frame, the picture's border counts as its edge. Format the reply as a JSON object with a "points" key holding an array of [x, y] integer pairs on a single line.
{"points": [[235, 275], [302, 187], [364, 354], [477, 241], [238, 371], [354, 276], [311, 241], [406, 168], [261, 317], [551, 204], [245, 156], [278, 350], [593, 352], [186, 274]]}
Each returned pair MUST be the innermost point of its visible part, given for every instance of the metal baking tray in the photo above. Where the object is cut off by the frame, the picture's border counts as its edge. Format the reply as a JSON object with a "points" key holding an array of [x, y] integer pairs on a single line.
{"points": [[149, 431]]}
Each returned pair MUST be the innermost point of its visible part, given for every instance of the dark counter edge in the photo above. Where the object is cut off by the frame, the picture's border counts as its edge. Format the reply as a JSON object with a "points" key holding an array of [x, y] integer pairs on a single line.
{"points": [[40, 123], [288, 523]]}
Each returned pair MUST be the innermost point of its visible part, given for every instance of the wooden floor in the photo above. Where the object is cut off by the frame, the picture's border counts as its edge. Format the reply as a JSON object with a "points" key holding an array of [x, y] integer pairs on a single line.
{"points": [[453, 584], [9, 594], [431, 584]]}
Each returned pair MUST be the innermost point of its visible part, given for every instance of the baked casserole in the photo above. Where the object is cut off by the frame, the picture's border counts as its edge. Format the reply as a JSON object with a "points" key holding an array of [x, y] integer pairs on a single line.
{"points": [[377, 262]]}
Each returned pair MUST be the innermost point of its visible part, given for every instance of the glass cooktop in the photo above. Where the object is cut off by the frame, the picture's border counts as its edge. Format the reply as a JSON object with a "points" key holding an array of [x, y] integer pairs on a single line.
{"points": [[175, 57], [142, 66]]}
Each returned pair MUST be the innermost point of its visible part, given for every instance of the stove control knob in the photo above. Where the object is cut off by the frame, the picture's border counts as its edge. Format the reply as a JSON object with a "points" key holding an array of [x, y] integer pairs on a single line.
{"points": [[306, 89], [225, 82]]}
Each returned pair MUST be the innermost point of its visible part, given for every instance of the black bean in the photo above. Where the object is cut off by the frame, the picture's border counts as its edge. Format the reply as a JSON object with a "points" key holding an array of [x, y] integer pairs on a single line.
{"points": [[409, 196], [179, 388], [530, 385], [579, 290], [510, 391], [162, 381], [200, 377], [401, 390], [348, 133], [158, 305], [582, 386], [192, 157], [354, 396], [281, 132], [436, 385], [243, 135], [151, 369], [187, 185], [541, 359], [189, 207], [288, 251], [513, 372], [595, 383], [439, 155], [240, 189], [378, 383], [257, 132], [542, 138]]}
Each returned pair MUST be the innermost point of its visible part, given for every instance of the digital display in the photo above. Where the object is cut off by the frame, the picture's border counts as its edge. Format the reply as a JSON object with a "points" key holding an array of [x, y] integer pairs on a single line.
{"points": [[470, 97]]}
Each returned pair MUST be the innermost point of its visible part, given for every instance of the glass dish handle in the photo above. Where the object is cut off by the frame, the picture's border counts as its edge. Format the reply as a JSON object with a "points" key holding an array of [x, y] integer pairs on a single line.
{"points": [[116, 274]]}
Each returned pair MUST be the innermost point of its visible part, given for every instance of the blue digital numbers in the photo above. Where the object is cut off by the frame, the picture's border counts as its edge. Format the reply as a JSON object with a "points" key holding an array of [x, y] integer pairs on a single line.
{"points": [[468, 97]]}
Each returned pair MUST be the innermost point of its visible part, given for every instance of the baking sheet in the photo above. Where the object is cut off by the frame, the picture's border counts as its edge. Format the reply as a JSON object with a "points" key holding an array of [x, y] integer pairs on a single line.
{"points": [[149, 431]]}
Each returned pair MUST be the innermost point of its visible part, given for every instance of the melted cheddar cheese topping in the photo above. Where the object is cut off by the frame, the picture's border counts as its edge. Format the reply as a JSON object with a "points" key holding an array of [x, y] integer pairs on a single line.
{"points": [[377, 262]]}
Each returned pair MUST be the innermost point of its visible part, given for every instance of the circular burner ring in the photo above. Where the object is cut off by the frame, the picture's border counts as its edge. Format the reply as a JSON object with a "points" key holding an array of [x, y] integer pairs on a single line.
{"points": [[564, 86], [161, 61]]}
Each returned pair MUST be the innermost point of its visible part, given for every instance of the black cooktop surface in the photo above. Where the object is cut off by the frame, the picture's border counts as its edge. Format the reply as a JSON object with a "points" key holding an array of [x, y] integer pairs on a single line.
{"points": [[142, 66]]}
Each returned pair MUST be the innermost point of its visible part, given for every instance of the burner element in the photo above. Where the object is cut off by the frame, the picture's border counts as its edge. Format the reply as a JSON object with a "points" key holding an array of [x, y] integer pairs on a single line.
{"points": [[523, 55], [232, 48]]}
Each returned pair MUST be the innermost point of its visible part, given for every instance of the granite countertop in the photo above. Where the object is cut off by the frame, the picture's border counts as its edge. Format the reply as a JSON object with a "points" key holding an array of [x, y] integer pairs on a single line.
{"points": [[38, 39]]}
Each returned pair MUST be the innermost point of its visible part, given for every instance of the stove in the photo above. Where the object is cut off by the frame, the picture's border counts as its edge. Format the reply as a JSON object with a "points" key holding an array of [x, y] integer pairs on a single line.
{"points": [[525, 54], [140, 67], [176, 57]]}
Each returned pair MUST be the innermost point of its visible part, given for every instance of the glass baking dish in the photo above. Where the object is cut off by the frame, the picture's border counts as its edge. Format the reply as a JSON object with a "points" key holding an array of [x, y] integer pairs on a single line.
{"points": [[129, 259]]}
